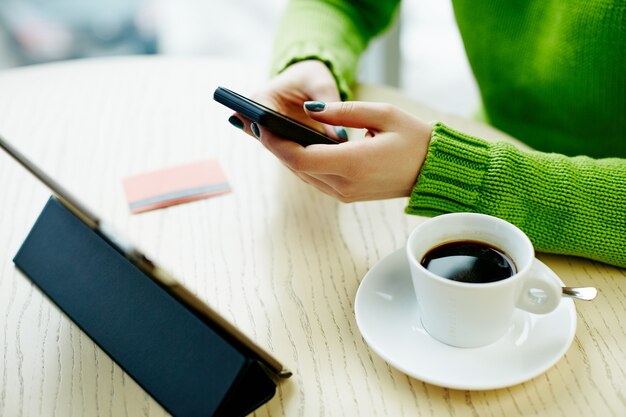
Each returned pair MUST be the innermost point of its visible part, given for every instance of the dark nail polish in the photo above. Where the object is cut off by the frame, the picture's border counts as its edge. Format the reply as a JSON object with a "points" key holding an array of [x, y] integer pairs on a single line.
{"points": [[341, 132], [235, 121], [314, 105], [255, 129]]}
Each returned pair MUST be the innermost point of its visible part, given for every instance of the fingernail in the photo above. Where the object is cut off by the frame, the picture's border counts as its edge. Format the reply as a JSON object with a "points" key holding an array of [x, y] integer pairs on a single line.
{"points": [[314, 105], [236, 121], [341, 132], [255, 129]]}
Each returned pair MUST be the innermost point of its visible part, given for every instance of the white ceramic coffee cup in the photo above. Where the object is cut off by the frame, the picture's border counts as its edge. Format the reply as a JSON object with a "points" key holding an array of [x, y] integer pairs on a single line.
{"points": [[468, 314]]}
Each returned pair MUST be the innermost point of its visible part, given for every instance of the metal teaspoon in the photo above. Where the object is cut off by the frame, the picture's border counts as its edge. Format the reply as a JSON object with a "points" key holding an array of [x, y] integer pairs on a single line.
{"points": [[580, 293]]}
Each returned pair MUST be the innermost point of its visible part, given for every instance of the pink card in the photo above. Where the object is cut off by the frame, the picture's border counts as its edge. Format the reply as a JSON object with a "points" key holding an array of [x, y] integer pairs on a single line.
{"points": [[176, 185]]}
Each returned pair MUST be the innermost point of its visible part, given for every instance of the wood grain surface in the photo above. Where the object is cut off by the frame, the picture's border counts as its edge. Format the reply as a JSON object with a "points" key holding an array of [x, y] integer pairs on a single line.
{"points": [[277, 258]]}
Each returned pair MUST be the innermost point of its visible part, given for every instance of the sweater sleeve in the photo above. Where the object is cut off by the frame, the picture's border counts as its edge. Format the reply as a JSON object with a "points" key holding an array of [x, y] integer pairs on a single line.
{"points": [[335, 32], [566, 205]]}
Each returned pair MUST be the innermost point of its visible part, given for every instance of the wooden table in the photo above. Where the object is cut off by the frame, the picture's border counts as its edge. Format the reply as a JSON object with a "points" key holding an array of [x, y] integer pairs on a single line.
{"points": [[277, 258]]}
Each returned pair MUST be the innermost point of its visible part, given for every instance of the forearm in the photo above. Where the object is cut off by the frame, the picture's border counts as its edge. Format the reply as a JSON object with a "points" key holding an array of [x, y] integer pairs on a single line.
{"points": [[333, 31], [567, 205]]}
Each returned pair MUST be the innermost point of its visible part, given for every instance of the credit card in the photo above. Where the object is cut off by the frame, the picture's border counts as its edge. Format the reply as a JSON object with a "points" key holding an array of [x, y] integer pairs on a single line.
{"points": [[175, 185]]}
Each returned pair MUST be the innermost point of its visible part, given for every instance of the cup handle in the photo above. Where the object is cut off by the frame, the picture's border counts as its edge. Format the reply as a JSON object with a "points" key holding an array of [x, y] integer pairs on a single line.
{"points": [[541, 292]]}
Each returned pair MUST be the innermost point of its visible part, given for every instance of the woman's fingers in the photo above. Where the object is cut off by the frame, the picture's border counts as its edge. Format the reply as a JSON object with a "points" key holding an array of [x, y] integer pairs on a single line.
{"points": [[357, 114], [315, 159], [334, 115], [330, 95]]}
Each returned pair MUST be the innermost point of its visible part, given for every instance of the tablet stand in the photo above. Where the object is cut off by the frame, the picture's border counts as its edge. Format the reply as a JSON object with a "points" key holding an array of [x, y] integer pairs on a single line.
{"points": [[190, 368]]}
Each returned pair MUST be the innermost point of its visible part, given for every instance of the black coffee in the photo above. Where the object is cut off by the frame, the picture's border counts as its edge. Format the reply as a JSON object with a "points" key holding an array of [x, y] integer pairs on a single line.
{"points": [[469, 261]]}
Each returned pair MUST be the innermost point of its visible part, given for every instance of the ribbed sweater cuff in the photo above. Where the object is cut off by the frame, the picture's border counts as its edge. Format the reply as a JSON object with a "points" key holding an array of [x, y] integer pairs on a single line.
{"points": [[566, 205], [451, 177]]}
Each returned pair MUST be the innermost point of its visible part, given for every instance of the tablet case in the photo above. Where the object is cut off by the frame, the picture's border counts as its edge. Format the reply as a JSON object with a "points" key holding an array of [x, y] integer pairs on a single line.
{"points": [[178, 357]]}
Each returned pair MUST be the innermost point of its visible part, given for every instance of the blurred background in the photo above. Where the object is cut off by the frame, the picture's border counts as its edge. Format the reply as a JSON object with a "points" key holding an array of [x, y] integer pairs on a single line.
{"points": [[422, 53]]}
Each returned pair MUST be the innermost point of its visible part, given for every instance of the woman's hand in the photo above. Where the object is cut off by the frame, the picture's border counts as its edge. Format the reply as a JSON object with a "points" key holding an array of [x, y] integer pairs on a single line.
{"points": [[385, 164], [300, 82]]}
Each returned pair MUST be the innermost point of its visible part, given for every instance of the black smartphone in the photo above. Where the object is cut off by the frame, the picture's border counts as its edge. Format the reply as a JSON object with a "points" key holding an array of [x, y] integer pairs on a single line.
{"points": [[273, 121]]}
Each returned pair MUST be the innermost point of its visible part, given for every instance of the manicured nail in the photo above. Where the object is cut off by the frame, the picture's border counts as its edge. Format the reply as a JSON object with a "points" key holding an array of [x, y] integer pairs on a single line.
{"points": [[341, 132], [236, 121], [255, 129], [314, 105]]}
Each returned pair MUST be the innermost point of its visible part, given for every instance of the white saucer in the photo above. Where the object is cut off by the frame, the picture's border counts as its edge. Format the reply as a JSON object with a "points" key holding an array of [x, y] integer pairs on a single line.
{"points": [[388, 318]]}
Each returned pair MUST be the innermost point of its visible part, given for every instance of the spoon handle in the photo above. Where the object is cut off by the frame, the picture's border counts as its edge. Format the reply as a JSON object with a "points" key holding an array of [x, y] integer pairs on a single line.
{"points": [[580, 293]]}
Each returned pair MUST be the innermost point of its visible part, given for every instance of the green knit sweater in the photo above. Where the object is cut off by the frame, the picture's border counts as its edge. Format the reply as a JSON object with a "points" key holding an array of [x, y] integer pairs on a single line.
{"points": [[552, 73]]}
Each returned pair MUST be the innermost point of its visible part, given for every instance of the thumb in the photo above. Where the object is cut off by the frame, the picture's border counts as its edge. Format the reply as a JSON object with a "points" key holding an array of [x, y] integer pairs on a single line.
{"points": [[357, 114]]}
